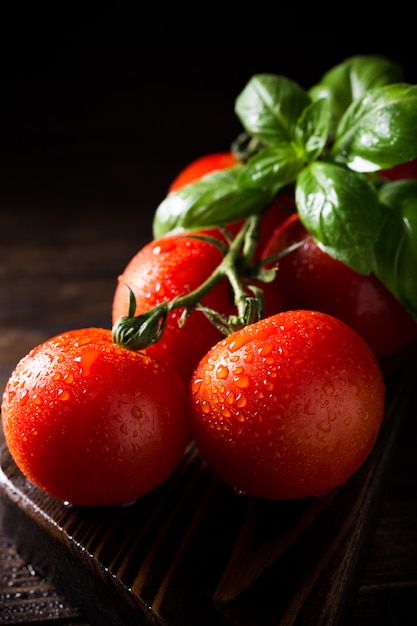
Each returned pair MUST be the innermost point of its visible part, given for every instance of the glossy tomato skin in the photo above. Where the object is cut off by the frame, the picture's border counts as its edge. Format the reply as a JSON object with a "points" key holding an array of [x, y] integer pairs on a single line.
{"points": [[201, 166], [309, 278], [92, 423], [289, 407]]}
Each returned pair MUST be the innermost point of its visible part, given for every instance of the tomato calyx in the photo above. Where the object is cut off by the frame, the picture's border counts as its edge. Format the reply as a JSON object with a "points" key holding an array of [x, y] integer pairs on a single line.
{"points": [[137, 332]]}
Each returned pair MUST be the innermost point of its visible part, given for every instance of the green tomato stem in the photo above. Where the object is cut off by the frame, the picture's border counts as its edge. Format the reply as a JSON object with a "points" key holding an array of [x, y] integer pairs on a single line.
{"points": [[138, 332]]}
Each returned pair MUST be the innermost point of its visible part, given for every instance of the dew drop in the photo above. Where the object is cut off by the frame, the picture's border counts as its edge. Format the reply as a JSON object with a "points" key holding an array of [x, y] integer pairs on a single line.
{"points": [[324, 426], [24, 398], [64, 395], [237, 343], [230, 397], [196, 384], [242, 381], [225, 411], [241, 401], [248, 358], [328, 389], [222, 372], [136, 411], [265, 349]]}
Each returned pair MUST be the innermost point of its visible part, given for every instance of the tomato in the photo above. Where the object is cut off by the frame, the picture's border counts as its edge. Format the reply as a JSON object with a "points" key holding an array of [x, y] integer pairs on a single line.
{"points": [[202, 166], [288, 407], [309, 278], [163, 269], [92, 423]]}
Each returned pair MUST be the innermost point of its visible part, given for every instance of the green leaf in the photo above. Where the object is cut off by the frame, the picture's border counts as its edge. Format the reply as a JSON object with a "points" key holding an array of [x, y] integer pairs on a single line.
{"points": [[380, 130], [214, 200], [396, 248], [342, 211], [269, 107], [350, 80], [311, 131], [272, 168]]}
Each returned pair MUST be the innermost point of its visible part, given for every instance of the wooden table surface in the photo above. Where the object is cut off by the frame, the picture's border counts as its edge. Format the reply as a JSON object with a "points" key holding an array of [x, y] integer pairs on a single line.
{"points": [[74, 207]]}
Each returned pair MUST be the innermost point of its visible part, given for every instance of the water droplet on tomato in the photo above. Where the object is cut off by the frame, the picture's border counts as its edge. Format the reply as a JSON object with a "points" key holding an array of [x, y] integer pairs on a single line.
{"points": [[265, 349], [248, 358], [239, 492], [222, 372], [136, 411], [328, 388], [324, 426], [64, 395], [225, 411], [87, 360], [230, 397], [196, 384], [242, 381], [205, 407], [241, 401], [237, 343]]}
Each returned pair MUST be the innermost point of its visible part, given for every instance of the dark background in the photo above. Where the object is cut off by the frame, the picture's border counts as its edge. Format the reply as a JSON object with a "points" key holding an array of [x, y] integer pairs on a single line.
{"points": [[102, 107]]}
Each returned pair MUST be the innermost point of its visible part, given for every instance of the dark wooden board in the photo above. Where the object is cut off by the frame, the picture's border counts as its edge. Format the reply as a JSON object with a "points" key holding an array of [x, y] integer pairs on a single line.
{"points": [[194, 553]]}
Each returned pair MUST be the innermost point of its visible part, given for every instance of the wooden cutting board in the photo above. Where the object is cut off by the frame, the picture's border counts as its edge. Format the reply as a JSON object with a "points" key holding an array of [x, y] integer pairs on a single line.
{"points": [[193, 553]]}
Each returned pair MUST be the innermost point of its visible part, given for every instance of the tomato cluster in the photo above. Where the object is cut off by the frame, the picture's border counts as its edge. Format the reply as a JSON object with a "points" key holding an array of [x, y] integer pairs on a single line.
{"points": [[288, 406]]}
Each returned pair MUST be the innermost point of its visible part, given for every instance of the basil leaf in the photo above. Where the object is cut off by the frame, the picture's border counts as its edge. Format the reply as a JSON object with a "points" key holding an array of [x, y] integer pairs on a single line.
{"points": [[215, 200], [342, 211], [312, 129], [269, 107], [350, 80], [272, 168], [396, 248], [380, 130]]}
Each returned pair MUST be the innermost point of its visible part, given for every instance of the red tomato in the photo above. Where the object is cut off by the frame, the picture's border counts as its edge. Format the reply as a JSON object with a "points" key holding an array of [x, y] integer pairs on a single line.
{"points": [[309, 278], [163, 269], [288, 407], [92, 423], [168, 267], [202, 166]]}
